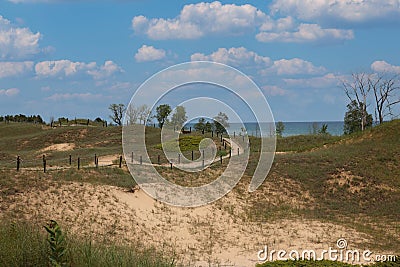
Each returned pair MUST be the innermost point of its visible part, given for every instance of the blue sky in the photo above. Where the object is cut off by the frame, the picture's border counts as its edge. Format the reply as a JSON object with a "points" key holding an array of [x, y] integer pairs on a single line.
{"points": [[74, 58]]}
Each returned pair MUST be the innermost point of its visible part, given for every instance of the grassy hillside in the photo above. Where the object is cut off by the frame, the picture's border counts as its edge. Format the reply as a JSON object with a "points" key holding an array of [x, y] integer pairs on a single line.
{"points": [[354, 181]]}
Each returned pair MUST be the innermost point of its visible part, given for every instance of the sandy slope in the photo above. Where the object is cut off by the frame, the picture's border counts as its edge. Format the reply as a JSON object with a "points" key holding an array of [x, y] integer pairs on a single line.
{"points": [[213, 234]]}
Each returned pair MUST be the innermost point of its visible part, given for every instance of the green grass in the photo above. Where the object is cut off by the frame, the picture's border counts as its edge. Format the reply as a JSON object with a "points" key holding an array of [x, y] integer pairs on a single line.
{"points": [[27, 141], [21, 244], [302, 143], [372, 159]]}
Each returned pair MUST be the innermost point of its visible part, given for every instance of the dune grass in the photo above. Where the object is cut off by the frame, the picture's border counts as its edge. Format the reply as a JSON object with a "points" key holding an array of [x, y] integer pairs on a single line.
{"points": [[22, 244]]}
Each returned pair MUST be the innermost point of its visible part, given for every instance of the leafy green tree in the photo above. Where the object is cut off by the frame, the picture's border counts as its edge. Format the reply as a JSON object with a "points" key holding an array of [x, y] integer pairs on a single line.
{"points": [[221, 122], [179, 117], [117, 111], [354, 117], [208, 127], [162, 113], [280, 127], [200, 125]]}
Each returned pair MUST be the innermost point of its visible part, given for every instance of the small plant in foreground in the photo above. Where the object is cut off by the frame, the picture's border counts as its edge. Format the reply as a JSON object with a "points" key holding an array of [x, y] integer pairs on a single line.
{"points": [[57, 244]]}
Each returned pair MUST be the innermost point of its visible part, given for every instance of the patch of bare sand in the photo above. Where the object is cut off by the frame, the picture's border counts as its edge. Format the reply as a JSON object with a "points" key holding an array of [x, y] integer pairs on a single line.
{"points": [[205, 236], [354, 184], [59, 147], [108, 160]]}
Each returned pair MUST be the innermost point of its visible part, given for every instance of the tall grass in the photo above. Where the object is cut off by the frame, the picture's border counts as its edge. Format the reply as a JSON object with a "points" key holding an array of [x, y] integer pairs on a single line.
{"points": [[22, 244]]}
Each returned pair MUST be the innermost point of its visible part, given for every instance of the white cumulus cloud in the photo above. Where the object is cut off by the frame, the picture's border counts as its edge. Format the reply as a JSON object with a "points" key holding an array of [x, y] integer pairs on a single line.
{"points": [[383, 66], [243, 58], [108, 69], [211, 19], [339, 11], [306, 33], [197, 20], [295, 66], [8, 69], [9, 92], [235, 56], [17, 43], [274, 90], [74, 96], [149, 53], [66, 68]]}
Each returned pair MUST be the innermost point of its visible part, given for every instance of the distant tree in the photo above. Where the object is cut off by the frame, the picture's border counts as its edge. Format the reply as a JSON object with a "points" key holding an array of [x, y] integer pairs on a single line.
{"points": [[132, 114], [117, 111], [98, 119], [200, 125], [354, 116], [358, 90], [280, 127], [324, 129], [386, 94], [221, 122], [179, 117], [51, 121], [162, 113], [1, 118], [208, 127], [144, 114]]}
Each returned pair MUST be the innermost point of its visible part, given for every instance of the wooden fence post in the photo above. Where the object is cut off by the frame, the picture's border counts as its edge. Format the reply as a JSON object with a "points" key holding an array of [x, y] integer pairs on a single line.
{"points": [[238, 151], [141, 160], [132, 157], [120, 161], [192, 155], [95, 159], [230, 153], [220, 158], [171, 165], [179, 158], [18, 162], [79, 163], [44, 165], [70, 160], [158, 159]]}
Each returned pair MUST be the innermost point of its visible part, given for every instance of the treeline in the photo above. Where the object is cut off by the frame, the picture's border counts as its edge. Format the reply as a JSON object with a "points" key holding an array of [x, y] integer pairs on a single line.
{"points": [[22, 118]]}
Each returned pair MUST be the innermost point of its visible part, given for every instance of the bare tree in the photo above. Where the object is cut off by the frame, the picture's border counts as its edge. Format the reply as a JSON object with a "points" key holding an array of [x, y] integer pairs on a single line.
{"points": [[385, 90], [117, 111], [132, 114], [358, 89], [144, 113]]}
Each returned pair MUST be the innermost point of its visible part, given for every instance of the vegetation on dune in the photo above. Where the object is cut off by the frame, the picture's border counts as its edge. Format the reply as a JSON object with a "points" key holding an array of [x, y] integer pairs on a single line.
{"points": [[352, 181], [22, 244]]}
